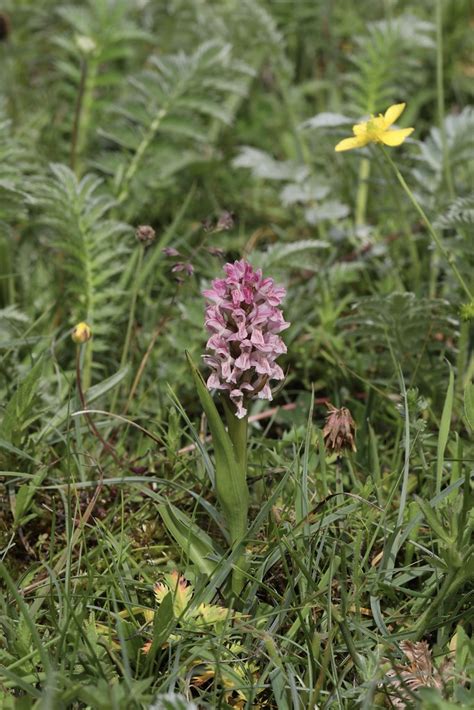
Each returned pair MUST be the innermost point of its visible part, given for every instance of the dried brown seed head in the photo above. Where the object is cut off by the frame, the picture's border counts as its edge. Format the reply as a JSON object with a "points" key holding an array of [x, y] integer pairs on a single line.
{"points": [[145, 234], [339, 430]]}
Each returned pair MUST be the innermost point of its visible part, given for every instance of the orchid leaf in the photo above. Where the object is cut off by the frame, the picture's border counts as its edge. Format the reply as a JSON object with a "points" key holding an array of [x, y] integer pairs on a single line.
{"points": [[231, 484]]}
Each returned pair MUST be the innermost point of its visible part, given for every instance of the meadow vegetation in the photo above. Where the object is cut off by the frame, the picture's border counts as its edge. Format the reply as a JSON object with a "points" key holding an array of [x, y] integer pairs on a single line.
{"points": [[165, 545]]}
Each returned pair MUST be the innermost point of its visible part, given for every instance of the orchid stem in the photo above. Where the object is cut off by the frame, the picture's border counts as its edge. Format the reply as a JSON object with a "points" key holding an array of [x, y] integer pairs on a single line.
{"points": [[447, 257], [238, 433]]}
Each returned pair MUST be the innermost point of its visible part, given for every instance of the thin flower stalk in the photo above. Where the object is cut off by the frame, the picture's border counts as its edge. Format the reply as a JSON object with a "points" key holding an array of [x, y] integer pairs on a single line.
{"points": [[449, 258]]}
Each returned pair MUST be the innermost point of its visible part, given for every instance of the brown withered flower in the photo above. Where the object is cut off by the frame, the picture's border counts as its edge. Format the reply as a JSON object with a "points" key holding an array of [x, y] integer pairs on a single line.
{"points": [[403, 680], [145, 234], [339, 430]]}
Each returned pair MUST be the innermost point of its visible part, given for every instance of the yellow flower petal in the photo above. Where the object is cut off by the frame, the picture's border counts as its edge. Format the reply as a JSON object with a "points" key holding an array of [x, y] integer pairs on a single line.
{"points": [[350, 143], [394, 138], [392, 113], [377, 124], [359, 128]]}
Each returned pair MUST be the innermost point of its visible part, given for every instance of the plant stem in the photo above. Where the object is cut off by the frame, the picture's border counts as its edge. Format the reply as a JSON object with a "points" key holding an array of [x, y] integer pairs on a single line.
{"points": [[139, 153], [85, 99], [163, 320], [446, 255], [440, 96], [462, 356], [77, 115], [131, 317], [90, 422], [238, 433], [362, 191], [450, 583], [410, 242]]}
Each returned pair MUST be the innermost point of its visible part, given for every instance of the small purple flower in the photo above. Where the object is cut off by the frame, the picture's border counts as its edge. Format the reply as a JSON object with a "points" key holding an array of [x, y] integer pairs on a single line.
{"points": [[244, 322], [170, 251], [215, 251], [183, 266]]}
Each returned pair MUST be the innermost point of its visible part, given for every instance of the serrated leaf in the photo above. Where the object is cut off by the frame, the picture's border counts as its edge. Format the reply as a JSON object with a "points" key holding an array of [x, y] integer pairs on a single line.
{"points": [[262, 165], [332, 209], [326, 119], [17, 413], [283, 253], [303, 192]]}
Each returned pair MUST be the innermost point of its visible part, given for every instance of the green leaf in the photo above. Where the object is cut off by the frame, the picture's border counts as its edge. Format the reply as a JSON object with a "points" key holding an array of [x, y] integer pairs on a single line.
{"points": [[14, 450], [433, 521], [231, 483], [24, 496], [444, 429], [91, 395], [190, 537], [163, 622], [17, 414], [469, 404]]}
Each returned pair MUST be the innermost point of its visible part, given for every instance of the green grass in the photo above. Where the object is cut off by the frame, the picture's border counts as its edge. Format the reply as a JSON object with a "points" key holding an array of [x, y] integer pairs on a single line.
{"points": [[118, 114]]}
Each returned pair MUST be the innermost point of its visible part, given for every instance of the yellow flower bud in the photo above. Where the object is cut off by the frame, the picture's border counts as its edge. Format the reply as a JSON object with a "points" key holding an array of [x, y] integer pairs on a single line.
{"points": [[81, 333]]}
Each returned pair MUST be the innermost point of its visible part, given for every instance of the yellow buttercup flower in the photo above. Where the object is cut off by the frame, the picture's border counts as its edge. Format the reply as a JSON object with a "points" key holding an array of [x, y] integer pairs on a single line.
{"points": [[378, 129], [81, 333]]}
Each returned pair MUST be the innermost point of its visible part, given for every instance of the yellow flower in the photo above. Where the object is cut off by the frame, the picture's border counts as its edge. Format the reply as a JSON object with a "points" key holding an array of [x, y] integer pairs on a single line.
{"points": [[81, 333], [377, 130]]}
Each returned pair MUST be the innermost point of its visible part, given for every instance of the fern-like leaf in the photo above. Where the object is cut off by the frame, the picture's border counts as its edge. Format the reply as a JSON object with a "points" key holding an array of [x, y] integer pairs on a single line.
{"points": [[90, 246], [175, 103], [386, 68]]}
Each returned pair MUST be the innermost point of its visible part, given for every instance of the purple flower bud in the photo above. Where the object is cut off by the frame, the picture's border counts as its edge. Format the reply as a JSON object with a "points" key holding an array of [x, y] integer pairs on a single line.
{"points": [[183, 266], [215, 251], [225, 222], [170, 251], [244, 322]]}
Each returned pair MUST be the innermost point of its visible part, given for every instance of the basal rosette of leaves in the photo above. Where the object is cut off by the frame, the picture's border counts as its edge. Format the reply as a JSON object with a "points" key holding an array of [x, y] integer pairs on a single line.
{"points": [[206, 619]]}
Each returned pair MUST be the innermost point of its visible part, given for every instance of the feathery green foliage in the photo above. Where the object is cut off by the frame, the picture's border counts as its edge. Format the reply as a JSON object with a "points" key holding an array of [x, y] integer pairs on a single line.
{"points": [[214, 124]]}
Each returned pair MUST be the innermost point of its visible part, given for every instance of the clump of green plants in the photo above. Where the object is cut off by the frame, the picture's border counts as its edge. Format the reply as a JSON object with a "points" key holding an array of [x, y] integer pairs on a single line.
{"points": [[236, 363]]}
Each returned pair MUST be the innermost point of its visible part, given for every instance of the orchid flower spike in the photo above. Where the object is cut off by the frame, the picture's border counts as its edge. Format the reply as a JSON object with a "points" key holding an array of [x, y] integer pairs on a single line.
{"points": [[244, 321]]}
